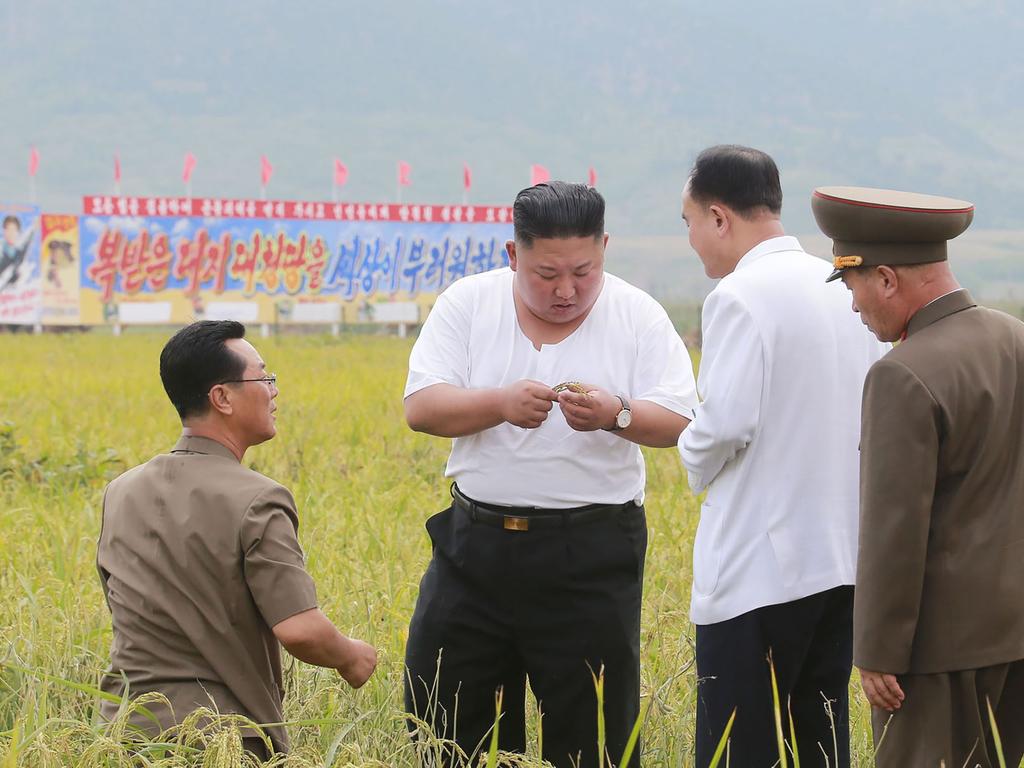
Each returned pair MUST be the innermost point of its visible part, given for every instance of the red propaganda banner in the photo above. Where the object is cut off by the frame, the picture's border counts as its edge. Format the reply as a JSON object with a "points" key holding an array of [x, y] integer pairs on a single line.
{"points": [[287, 209]]}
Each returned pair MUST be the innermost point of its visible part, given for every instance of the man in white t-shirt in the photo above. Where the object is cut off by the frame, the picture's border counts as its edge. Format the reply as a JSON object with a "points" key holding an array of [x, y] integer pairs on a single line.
{"points": [[538, 563], [773, 442]]}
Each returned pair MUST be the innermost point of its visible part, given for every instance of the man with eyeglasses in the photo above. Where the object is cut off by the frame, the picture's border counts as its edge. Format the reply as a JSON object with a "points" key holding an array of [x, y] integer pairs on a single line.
{"points": [[199, 557]]}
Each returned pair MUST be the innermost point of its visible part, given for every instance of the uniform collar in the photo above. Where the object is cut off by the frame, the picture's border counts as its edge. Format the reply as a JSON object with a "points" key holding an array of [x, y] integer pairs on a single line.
{"points": [[944, 306], [771, 245], [204, 445]]}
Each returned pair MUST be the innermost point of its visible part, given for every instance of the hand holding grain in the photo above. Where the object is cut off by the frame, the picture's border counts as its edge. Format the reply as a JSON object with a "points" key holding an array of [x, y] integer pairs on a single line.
{"points": [[589, 410], [526, 403]]}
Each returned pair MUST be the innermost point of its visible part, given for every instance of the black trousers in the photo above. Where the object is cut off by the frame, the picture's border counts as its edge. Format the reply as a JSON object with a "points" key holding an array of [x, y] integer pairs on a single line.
{"points": [[550, 604], [811, 645]]}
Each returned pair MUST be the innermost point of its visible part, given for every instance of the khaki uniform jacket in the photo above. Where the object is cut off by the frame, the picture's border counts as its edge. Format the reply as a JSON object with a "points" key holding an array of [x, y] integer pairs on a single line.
{"points": [[940, 568], [199, 558]]}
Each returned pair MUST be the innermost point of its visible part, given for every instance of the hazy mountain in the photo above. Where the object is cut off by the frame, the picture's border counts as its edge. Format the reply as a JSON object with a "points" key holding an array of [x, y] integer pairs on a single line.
{"points": [[913, 94]]}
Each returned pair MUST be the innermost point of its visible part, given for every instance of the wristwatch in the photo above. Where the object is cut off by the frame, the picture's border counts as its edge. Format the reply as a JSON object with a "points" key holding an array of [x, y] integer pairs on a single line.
{"points": [[623, 418]]}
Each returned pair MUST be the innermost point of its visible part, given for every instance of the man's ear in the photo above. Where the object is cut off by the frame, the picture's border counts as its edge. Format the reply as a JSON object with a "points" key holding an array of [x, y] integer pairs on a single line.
{"points": [[220, 399], [721, 218], [890, 280], [510, 246]]}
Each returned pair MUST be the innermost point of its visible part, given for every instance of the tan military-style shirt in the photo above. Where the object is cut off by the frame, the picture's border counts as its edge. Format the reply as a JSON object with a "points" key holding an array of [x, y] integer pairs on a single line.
{"points": [[940, 570], [199, 558]]}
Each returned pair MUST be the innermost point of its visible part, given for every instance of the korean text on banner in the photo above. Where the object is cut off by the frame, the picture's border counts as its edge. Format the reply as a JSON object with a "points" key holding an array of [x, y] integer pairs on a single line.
{"points": [[194, 262]]}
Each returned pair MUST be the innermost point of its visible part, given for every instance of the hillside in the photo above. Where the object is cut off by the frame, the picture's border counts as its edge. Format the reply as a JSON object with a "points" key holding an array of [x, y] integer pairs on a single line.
{"points": [[916, 95]]}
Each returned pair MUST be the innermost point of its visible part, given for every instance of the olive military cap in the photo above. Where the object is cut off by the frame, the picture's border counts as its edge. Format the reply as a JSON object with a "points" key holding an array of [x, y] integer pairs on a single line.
{"points": [[869, 227]]}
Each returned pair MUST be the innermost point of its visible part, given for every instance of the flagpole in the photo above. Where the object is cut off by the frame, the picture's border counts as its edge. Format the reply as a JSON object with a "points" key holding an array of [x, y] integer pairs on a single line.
{"points": [[263, 191], [32, 189]]}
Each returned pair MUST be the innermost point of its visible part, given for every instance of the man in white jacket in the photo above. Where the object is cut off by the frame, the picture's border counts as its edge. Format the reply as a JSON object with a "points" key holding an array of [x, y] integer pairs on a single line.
{"points": [[774, 443]]}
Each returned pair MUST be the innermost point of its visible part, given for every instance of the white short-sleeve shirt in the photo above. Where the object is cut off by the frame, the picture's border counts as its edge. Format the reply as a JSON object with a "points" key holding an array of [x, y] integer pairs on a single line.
{"points": [[626, 345]]}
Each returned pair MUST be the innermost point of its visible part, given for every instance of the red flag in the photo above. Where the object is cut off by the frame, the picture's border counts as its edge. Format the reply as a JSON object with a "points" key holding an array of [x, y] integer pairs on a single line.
{"points": [[592, 178], [538, 175], [404, 169], [340, 173], [467, 177], [117, 169], [190, 165], [266, 170], [33, 161]]}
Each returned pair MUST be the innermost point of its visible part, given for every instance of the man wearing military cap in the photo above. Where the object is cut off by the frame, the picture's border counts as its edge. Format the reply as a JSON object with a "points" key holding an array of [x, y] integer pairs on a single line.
{"points": [[939, 604]]}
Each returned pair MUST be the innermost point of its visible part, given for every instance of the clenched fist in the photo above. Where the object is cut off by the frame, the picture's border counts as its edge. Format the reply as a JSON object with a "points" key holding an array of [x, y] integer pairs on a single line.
{"points": [[361, 664]]}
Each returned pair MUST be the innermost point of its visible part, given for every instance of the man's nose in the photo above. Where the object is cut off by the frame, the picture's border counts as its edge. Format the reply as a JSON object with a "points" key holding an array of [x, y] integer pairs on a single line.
{"points": [[565, 289]]}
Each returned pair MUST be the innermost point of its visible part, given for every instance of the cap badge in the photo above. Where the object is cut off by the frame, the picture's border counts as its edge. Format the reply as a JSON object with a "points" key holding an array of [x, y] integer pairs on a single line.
{"points": [[844, 262]]}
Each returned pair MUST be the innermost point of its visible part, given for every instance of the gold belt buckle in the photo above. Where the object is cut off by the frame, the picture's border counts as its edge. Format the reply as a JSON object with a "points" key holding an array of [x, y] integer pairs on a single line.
{"points": [[516, 523]]}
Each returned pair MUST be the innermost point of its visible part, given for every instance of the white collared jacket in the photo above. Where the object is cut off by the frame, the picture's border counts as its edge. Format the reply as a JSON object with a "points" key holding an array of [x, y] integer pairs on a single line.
{"points": [[774, 441]]}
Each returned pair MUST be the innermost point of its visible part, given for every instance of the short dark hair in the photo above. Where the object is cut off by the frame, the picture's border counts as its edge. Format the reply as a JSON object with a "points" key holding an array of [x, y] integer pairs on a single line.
{"points": [[195, 359], [557, 209], [741, 178], [11, 219]]}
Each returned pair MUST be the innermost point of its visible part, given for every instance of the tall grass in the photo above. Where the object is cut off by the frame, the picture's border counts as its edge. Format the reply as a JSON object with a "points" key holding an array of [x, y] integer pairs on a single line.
{"points": [[75, 411]]}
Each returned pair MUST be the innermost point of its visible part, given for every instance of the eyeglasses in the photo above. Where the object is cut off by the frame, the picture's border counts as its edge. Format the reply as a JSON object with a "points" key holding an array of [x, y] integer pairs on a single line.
{"points": [[270, 378]]}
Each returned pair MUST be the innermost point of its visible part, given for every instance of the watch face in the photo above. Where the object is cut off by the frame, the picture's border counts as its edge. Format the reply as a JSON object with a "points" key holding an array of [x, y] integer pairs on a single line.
{"points": [[624, 419]]}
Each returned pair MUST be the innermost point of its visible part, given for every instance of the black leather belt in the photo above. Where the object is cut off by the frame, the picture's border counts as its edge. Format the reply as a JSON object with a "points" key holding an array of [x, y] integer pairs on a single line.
{"points": [[527, 518]]}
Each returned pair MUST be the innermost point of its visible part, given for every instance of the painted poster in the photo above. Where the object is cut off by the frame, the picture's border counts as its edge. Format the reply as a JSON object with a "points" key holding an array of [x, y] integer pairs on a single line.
{"points": [[19, 265], [60, 269]]}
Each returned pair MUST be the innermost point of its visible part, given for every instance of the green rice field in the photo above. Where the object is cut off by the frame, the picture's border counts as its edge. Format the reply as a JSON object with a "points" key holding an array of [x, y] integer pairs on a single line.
{"points": [[75, 410]]}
